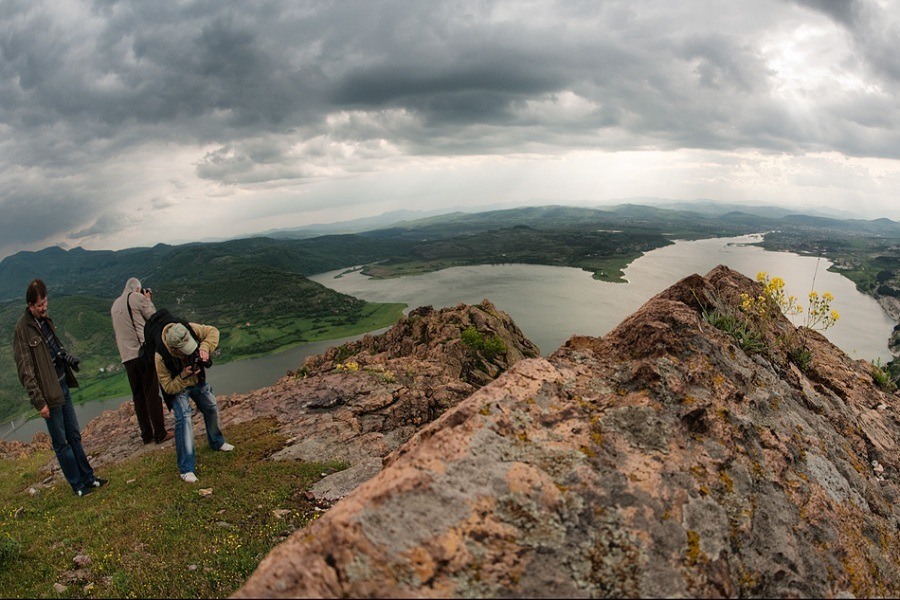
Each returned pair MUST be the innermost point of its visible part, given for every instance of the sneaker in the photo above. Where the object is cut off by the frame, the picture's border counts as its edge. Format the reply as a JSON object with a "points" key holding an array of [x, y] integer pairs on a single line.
{"points": [[84, 491], [189, 477], [97, 482], [226, 447]]}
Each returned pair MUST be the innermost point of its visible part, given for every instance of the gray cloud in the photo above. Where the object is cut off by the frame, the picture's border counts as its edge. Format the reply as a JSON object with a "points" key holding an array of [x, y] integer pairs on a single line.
{"points": [[222, 71], [281, 91], [875, 33], [842, 11]]}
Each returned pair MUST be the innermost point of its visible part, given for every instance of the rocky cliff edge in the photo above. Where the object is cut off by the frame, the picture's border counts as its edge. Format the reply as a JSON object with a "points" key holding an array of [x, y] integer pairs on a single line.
{"points": [[355, 403], [660, 460]]}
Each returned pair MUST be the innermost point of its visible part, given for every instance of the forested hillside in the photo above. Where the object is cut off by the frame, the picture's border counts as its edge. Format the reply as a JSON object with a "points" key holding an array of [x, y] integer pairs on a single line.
{"points": [[256, 291], [252, 290]]}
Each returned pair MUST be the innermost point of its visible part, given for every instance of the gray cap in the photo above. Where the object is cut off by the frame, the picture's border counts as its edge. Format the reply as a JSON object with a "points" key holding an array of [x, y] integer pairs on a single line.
{"points": [[179, 338]]}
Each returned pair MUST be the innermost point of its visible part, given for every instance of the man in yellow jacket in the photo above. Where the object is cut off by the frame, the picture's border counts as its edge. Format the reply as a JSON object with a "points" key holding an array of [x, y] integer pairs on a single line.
{"points": [[181, 358]]}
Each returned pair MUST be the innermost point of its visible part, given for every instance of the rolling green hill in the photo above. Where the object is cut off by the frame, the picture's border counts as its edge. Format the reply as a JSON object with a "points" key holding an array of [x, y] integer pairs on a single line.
{"points": [[256, 292], [257, 309]]}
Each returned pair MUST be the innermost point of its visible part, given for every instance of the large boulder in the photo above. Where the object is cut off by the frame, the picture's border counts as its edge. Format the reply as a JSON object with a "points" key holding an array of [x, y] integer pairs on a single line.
{"points": [[661, 460]]}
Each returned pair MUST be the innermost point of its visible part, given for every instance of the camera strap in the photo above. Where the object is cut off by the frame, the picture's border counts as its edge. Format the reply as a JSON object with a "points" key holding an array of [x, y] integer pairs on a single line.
{"points": [[53, 344], [131, 316], [48, 340]]}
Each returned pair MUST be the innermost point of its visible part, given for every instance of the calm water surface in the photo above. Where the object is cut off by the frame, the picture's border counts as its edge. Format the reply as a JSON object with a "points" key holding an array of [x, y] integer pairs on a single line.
{"points": [[550, 304]]}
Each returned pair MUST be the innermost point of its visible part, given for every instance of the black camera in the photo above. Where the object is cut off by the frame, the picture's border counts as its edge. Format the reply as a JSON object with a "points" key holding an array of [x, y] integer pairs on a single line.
{"points": [[66, 359], [145, 291], [196, 361]]}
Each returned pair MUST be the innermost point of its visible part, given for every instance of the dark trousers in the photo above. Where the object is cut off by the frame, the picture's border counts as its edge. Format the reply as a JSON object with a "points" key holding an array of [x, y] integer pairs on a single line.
{"points": [[147, 403], [66, 438]]}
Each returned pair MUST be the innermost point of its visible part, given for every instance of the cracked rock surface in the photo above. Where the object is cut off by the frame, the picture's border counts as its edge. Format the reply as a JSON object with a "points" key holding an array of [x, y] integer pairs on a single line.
{"points": [[660, 460]]}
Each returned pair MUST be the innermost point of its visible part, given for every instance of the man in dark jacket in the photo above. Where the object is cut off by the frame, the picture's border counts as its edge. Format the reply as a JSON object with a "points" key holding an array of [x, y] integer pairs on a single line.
{"points": [[46, 372]]}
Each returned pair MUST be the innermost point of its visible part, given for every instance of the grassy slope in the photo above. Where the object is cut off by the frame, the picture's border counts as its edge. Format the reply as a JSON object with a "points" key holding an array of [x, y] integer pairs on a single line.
{"points": [[148, 534]]}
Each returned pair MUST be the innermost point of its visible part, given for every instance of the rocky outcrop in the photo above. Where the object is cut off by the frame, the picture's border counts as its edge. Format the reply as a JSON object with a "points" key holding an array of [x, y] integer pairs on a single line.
{"points": [[12, 449], [661, 460], [360, 401]]}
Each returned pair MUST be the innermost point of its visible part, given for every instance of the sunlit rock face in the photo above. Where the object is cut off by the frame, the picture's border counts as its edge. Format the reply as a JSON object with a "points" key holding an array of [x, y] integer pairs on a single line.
{"points": [[660, 460]]}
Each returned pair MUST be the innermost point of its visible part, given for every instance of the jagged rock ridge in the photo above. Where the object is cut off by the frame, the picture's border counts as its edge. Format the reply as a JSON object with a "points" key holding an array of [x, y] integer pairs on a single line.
{"points": [[362, 400], [356, 402], [660, 460]]}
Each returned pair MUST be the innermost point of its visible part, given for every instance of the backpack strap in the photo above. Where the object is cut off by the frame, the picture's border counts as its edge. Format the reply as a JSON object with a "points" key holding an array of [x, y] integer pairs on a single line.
{"points": [[153, 330]]}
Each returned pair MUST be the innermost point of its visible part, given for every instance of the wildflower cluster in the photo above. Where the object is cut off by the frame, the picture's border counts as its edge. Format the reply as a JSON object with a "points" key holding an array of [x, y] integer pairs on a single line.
{"points": [[385, 375], [819, 315], [348, 366], [773, 295]]}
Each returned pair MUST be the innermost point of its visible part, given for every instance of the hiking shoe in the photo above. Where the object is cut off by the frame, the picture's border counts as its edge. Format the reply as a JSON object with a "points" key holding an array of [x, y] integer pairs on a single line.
{"points": [[84, 491], [189, 477], [169, 435], [97, 482], [226, 447]]}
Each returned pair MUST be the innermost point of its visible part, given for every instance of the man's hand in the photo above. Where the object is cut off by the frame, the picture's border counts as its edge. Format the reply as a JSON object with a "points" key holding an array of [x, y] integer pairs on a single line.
{"points": [[204, 355], [45, 412], [187, 372]]}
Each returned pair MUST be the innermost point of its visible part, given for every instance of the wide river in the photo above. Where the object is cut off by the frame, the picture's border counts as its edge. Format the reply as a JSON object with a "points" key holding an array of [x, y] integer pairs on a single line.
{"points": [[550, 304]]}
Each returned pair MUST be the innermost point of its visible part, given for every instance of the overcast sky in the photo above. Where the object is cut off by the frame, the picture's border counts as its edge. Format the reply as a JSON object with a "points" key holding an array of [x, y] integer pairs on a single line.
{"points": [[136, 122]]}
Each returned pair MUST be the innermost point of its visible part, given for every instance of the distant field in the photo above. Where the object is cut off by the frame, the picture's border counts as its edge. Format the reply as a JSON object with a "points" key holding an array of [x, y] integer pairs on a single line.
{"points": [[605, 269], [273, 335]]}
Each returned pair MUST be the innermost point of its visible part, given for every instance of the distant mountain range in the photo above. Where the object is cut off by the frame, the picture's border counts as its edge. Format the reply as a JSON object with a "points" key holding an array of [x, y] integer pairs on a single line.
{"points": [[397, 235], [257, 288]]}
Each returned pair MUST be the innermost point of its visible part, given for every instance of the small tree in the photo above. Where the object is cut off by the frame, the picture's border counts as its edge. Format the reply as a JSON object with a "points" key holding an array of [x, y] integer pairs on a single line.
{"points": [[488, 347]]}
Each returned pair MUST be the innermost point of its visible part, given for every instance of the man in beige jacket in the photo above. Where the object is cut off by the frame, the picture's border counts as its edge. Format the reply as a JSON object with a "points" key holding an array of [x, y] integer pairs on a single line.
{"points": [[182, 357], [129, 313]]}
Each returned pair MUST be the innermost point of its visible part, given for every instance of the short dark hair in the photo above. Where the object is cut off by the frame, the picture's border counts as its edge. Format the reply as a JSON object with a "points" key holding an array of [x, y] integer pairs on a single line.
{"points": [[36, 290]]}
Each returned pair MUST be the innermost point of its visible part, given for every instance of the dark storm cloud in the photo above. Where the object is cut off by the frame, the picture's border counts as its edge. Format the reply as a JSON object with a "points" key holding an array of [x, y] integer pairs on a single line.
{"points": [[108, 222], [223, 71], [31, 215], [843, 11], [285, 90]]}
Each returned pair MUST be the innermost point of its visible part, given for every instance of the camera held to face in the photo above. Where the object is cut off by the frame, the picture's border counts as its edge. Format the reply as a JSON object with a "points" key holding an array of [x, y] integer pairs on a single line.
{"points": [[66, 359], [196, 361]]}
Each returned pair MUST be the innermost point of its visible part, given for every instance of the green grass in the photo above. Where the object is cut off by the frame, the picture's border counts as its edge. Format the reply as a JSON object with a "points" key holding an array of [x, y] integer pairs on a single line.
{"points": [[111, 386], [411, 268], [611, 269], [147, 533], [277, 334]]}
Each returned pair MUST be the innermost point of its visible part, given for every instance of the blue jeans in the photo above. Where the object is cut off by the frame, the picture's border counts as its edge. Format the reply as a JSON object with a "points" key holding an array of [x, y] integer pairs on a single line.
{"points": [[184, 430], [62, 425]]}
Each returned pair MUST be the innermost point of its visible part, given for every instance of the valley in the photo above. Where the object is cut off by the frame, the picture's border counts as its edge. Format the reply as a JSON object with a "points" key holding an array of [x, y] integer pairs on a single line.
{"points": [[257, 290]]}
